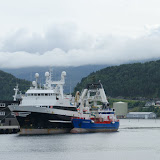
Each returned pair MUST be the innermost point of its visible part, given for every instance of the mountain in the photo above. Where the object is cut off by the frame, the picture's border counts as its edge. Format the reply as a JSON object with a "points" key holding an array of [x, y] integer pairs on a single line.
{"points": [[7, 84], [74, 74], [128, 80]]}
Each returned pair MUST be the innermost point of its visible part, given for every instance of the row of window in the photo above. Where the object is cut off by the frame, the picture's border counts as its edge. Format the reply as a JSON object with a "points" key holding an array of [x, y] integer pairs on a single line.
{"points": [[39, 94], [2, 113], [14, 104], [59, 107], [2, 105], [46, 106], [106, 112]]}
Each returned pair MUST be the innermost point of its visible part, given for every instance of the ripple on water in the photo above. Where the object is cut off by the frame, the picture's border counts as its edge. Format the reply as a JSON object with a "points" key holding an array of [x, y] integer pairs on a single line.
{"points": [[136, 139]]}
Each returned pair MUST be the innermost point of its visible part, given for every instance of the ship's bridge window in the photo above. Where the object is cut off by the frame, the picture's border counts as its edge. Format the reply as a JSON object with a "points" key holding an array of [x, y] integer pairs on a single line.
{"points": [[39, 94], [32, 94], [46, 94], [42, 94], [35, 94], [28, 94]]}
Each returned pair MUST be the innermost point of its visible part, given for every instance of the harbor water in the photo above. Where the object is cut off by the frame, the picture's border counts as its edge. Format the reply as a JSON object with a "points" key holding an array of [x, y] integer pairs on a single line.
{"points": [[136, 139]]}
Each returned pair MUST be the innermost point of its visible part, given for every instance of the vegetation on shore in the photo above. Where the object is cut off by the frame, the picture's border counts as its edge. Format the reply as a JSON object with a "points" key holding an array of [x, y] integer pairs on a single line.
{"points": [[130, 81], [134, 83], [8, 83]]}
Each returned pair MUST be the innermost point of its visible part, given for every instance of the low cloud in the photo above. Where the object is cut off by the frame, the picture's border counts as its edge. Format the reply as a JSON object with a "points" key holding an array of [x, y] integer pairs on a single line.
{"points": [[64, 36], [65, 45]]}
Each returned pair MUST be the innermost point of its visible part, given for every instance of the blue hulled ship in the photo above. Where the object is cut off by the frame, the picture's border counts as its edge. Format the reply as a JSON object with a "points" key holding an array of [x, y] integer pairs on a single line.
{"points": [[95, 115]]}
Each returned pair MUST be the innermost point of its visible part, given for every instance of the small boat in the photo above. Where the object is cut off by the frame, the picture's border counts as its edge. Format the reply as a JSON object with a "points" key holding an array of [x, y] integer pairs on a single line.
{"points": [[95, 115]]}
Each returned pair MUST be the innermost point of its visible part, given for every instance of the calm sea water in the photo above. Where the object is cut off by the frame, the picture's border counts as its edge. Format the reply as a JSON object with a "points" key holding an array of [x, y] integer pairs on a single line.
{"points": [[135, 140]]}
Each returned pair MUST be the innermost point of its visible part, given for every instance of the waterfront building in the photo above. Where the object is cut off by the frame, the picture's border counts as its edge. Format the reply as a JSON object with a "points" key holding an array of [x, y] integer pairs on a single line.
{"points": [[121, 109], [149, 104], [141, 115], [6, 117], [157, 104]]}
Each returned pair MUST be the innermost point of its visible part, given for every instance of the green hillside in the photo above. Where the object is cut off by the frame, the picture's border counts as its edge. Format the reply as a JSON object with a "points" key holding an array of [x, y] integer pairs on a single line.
{"points": [[8, 82], [128, 80]]}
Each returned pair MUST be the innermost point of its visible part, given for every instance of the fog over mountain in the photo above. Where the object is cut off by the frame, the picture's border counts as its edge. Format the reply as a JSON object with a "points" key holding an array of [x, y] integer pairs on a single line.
{"points": [[74, 74]]}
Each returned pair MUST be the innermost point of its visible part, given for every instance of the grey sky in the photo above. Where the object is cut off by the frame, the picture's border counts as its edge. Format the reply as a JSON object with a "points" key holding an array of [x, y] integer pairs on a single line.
{"points": [[78, 32]]}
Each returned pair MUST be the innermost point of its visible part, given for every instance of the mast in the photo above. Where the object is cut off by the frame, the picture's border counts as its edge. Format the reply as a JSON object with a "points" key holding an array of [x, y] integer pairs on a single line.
{"points": [[16, 91]]}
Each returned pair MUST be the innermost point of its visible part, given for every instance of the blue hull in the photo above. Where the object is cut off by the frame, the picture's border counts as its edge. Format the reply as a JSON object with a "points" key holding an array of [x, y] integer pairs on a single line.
{"points": [[83, 125]]}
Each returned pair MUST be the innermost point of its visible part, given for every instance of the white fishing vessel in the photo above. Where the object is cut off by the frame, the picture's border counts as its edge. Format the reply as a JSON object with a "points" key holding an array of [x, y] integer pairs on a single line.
{"points": [[45, 110]]}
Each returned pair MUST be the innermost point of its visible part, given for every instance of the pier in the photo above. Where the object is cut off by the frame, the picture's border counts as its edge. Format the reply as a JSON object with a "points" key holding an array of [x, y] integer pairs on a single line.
{"points": [[9, 129]]}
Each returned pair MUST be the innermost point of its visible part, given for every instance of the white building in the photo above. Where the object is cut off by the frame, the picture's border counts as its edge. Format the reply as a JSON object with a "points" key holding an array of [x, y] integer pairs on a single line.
{"points": [[141, 115]]}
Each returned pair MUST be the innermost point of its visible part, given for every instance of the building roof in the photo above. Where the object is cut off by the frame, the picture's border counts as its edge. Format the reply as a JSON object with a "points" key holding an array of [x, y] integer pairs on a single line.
{"points": [[120, 102], [140, 112]]}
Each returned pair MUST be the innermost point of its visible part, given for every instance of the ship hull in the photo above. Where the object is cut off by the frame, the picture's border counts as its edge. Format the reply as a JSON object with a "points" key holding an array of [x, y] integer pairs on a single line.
{"points": [[42, 123], [34, 120], [85, 126]]}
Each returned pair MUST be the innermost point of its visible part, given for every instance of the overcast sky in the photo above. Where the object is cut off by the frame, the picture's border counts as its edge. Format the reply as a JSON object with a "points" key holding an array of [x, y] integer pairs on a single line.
{"points": [[78, 32]]}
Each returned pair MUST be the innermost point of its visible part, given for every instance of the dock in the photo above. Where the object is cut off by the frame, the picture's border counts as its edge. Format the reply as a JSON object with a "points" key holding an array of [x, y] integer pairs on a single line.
{"points": [[9, 129]]}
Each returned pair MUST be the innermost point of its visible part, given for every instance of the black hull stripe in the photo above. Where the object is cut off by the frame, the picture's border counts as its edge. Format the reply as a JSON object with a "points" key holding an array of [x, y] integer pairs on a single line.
{"points": [[44, 121]]}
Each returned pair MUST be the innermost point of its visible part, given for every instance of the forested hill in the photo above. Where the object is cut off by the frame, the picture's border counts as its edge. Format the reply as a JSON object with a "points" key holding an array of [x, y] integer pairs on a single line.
{"points": [[128, 80], [7, 84]]}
